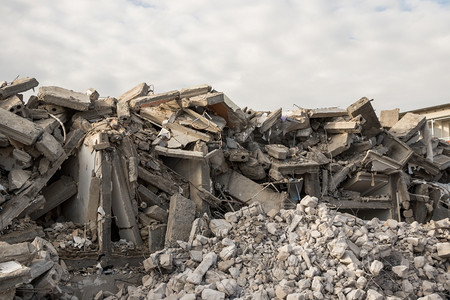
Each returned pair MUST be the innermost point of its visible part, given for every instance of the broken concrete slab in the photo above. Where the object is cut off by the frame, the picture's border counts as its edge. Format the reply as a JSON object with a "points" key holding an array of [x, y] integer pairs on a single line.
{"points": [[407, 126], [195, 91], [157, 213], [49, 146], [342, 127], [137, 91], [153, 100], [248, 191], [18, 86], [17, 178], [277, 151], [388, 118], [364, 108], [270, 120], [204, 100], [181, 216], [65, 98], [18, 128], [179, 153], [338, 144], [328, 112], [55, 194]]}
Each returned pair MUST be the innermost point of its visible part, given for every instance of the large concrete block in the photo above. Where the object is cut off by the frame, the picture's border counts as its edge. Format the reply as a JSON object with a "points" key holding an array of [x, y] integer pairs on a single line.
{"points": [[364, 108], [181, 216]]}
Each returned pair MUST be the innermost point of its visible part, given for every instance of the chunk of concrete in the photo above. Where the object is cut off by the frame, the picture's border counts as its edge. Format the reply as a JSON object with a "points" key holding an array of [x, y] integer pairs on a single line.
{"points": [[363, 107], [181, 216], [388, 118], [18, 128], [277, 151], [157, 213], [65, 98], [50, 147], [17, 178], [339, 143], [443, 249], [408, 126], [18, 86]]}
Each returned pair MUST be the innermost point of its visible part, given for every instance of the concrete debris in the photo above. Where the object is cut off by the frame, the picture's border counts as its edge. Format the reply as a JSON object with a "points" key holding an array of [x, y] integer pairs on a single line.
{"points": [[117, 177], [376, 260]]}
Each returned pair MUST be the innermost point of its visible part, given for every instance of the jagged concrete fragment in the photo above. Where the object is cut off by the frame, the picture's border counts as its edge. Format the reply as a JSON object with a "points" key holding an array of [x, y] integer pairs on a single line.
{"points": [[363, 107], [342, 127], [65, 98], [55, 194], [338, 144], [17, 178], [12, 274], [195, 91], [50, 147], [328, 112], [181, 216], [407, 126], [249, 191], [271, 119], [22, 252], [153, 100], [157, 213], [18, 86], [277, 151], [156, 237], [121, 203], [18, 128], [137, 91], [12, 104], [204, 100], [388, 118]]}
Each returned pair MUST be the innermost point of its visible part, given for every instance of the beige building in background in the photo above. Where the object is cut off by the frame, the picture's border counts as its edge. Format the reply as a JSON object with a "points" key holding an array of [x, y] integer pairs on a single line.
{"points": [[438, 118]]}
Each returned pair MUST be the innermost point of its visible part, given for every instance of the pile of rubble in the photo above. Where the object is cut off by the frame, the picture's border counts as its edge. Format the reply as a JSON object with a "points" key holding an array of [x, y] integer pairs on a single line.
{"points": [[28, 269], [310, 252], [100, 176]]}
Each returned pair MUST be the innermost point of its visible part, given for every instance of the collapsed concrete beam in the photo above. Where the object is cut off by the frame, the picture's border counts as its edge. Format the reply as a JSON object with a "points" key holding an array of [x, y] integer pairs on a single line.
{"points": [[149, 197], [121, 203], [137, 91], [271, 119], [381, 163], [338, 144], [328, 112], [277, 151], [12, 274], [160, 182], [195, 91], [364, 108], [367, 183], [178, 153], [50, 147], [204, 100], [407, 126], [22, 252], [248, 191], [65, 98], [153, 100], [342, 127], [18, 128], [55, 194], [18, 86], [179, 223], [295, 165]]}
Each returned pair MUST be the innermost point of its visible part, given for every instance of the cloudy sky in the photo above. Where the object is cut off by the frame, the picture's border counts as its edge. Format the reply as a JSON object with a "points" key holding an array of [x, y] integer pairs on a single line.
{"points": [[263, 54]]}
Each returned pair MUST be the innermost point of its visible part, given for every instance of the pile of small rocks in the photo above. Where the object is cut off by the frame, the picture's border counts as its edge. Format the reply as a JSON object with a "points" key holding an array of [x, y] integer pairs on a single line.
{"points": [[311, 252]]}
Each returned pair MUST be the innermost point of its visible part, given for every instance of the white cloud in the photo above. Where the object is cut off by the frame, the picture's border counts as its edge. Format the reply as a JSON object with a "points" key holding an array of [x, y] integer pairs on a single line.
{"points": [[263, 54]]}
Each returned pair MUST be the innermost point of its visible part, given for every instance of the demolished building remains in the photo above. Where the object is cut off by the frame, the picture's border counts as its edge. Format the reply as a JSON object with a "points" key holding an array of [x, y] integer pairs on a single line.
{"points": [[102, 178]]}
